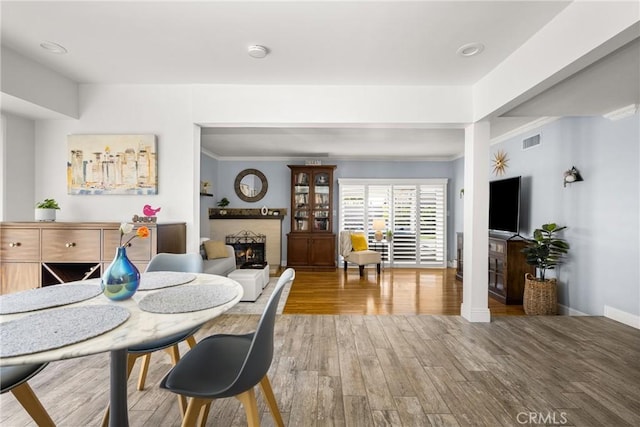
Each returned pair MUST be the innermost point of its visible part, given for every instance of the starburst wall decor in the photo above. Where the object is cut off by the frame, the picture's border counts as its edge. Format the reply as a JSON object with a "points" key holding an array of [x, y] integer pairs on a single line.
{"points": [[500, 162]]}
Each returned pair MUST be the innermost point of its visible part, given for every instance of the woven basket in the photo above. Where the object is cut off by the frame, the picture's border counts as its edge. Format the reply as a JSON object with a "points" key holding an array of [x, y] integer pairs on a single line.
{"points": [[540, 298]]}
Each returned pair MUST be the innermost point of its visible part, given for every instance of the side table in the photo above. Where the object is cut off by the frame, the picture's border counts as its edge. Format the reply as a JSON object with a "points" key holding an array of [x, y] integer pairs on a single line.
{"points": [[381, 246]]}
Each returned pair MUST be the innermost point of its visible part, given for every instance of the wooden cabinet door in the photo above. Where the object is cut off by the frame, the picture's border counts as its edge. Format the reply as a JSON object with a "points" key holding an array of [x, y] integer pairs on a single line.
{"points": [[298, 250], [323, 251], [20, 244], [19, 276], [70, 245], [137, 250]]}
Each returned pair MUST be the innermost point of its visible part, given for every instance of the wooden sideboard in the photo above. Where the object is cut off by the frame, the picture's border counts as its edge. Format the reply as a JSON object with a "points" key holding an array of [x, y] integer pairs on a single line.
{"points": [[35, 254], [507, 268]]}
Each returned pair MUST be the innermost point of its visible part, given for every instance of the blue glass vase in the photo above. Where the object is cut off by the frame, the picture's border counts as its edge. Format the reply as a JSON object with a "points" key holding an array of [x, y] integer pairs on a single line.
{"points": [[121, 279]]}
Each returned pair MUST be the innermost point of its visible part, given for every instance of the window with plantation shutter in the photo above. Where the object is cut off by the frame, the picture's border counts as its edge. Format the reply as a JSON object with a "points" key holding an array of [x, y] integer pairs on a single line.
{"points": [[413, 210], [432, 225], [352, 211], [378, 206]]}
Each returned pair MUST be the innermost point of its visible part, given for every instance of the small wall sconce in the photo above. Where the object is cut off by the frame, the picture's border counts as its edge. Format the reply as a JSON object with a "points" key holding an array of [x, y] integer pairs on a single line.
{"points": [[572, 175]]}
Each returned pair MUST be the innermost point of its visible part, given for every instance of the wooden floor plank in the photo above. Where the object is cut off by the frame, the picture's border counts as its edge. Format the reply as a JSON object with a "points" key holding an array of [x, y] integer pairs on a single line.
{"points": [[330, 402]]}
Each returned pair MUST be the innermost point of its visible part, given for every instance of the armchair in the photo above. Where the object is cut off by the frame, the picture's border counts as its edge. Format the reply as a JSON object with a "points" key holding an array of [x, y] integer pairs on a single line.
{"points": [[359, 257]]}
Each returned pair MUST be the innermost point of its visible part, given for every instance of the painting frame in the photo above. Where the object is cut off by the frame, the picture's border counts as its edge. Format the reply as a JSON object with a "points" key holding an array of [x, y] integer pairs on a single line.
{"points": [[113, 164]]}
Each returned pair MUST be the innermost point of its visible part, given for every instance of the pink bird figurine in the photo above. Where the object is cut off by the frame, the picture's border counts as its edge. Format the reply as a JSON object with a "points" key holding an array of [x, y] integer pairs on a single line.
{"points": [[147, 210]]}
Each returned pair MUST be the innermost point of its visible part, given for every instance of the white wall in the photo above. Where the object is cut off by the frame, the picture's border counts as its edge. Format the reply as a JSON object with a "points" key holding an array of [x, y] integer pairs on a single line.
{"points": [[208, 172], [164, 111], [29, 81], [17, 184]]}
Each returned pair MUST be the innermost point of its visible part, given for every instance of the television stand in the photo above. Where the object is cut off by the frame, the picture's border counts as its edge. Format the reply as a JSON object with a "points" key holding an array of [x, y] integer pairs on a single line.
{"points": [[507, 268]]}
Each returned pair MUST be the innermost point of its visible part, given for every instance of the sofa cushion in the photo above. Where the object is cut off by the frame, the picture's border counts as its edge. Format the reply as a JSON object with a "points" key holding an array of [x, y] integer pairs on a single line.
{"points": [[221, 266], [215, 249]]}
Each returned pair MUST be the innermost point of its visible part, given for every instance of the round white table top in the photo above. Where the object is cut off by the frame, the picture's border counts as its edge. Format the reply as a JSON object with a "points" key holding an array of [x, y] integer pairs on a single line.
{"points": [[140, 327]]}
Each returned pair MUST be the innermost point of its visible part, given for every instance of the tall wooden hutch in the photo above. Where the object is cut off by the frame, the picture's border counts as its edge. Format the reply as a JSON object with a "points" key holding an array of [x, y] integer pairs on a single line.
{"points": [[311, 244]]}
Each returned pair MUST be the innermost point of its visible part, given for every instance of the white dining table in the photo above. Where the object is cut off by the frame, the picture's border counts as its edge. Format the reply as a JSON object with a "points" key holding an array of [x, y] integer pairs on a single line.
{"points": [[141, 326]]}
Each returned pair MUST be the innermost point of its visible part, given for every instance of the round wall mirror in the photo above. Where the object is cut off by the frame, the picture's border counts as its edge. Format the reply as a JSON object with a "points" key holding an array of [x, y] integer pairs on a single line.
{"points": [[251, 185]]}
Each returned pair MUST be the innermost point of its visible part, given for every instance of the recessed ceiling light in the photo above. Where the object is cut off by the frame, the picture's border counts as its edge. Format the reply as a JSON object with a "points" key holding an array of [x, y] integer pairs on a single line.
{"points": [[470, 49], [257, 51], [53, 48]]}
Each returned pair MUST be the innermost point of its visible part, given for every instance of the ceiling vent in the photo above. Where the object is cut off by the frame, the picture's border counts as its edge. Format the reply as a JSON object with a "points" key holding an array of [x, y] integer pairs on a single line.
{"points": [[532, 141]]}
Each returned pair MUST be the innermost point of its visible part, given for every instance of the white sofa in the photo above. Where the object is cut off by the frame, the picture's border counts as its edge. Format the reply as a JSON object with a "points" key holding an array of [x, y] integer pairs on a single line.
{"points": [[220, 266]]}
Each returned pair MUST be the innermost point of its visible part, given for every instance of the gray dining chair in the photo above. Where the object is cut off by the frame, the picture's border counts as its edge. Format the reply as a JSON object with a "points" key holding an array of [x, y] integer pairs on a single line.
{"points": [[187, 263], [14, 379], [224, 365]]}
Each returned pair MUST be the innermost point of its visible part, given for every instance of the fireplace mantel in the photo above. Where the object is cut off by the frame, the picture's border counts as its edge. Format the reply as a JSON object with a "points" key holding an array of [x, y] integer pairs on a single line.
{"points": [[223, 213]]}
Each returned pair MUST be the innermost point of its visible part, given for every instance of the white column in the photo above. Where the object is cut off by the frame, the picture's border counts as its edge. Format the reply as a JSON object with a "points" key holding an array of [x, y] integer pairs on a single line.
{"points": [[475, 304]]}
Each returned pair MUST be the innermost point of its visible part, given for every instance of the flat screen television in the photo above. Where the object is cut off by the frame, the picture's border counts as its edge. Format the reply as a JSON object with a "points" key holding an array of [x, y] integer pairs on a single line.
{"points": [[504, 205]]}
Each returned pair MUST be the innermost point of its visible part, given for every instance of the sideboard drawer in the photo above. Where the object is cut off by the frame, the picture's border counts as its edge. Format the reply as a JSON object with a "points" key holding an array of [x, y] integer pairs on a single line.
{"points": [[70, 245], [138, 249], [20, 244]]}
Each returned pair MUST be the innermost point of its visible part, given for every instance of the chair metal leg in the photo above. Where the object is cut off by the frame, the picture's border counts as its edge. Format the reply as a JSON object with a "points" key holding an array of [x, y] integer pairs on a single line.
{"points": [[361, 268], [265, 384], [378, 268], [29, 401], [248, 400], [345, 266]]}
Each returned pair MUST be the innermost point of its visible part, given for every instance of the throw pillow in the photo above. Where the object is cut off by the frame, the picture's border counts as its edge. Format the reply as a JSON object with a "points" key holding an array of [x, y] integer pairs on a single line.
{"points": [[215, 249], [359, 242]]}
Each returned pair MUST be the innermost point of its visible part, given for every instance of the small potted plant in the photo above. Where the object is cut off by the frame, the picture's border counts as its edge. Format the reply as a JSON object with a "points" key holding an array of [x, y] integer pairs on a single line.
{"points": [[389, 235], [544, 252], [46, 210], [223, 203]]}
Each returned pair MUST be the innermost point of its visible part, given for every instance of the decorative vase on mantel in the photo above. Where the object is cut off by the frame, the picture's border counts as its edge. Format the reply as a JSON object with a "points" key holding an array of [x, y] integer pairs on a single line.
{"points": [[121, 279]]}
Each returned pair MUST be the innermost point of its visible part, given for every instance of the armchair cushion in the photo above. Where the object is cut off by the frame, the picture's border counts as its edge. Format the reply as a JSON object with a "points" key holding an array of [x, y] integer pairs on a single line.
{"points": [[359, 242], [364, 257]]}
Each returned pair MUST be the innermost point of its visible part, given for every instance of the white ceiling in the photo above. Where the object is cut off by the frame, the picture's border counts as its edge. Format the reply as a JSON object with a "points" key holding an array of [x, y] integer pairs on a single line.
{"points": [[311, 43]]}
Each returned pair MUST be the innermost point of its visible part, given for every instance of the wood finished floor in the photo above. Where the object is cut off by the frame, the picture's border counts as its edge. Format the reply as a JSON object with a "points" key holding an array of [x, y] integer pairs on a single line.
{"points": [[395, 291], [399, 370]]}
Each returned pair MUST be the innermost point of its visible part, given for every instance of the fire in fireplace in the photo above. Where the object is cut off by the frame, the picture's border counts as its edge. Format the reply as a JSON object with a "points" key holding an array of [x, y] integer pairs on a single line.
{"points": [[249, 248]]}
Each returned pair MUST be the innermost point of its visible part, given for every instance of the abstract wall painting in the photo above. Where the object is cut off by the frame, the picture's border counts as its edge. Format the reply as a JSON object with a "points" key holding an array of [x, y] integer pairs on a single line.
{"points": [[112, 164]]}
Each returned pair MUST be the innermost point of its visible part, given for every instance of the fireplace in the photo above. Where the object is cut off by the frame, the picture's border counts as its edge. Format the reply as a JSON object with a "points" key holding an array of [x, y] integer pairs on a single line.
{"points": [[249, 248]]}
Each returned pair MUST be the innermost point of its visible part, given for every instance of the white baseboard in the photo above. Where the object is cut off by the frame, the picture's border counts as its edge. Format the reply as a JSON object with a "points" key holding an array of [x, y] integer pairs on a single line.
{"points": [[568, 311], [622, 317], [475, 315]]}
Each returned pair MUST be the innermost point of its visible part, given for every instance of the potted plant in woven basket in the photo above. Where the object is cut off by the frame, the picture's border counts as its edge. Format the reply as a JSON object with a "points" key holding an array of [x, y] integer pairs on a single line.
{"points": [[544, 252]]}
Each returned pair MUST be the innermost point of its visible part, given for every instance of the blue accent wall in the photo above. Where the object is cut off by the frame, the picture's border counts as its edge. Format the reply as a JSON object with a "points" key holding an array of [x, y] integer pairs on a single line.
{"points": [[602, 212]]}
